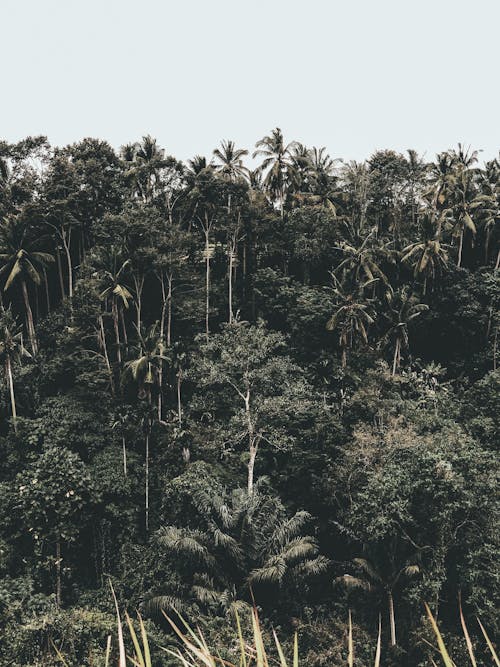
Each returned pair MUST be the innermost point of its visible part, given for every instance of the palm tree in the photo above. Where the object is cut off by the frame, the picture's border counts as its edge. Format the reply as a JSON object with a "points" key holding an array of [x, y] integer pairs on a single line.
{"points": [[120, 295], [145, 160], [372, 578], [230, 161], [352, 316], [242, 541], [20, 262], [428, 258], [11, 351], [276, 164], [404, 309], [145, 368], [363, 262]]}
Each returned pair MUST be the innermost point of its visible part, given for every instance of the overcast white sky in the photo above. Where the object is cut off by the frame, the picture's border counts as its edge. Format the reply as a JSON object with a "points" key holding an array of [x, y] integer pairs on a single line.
{"points": [[353, 75]]}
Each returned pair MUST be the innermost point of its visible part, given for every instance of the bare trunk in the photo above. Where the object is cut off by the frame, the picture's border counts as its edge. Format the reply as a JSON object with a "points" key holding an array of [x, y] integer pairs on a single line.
{"points": [[207, 285], [179, 398], [10, 380], [60, 274], [392, 619], [66, 243], [29, 319], [146, 483], [58, 573], [114, 308], [251, 468], [396, 359], [104, 348], [460, 247], [46, 284], [230, 286], [124, 451]]}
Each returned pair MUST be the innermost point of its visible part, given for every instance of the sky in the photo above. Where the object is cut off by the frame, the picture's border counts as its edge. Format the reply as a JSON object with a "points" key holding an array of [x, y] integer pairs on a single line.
{"points": [[352, 75]]}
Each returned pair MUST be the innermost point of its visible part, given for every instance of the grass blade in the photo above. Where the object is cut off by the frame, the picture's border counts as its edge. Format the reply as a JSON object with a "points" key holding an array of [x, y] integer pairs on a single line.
{"points": [[490, 645], [466, 634], [442, 648]]}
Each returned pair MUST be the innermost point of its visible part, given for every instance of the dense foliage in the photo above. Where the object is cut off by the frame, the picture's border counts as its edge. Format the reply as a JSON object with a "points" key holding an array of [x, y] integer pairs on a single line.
{"points": [[221, 384]]}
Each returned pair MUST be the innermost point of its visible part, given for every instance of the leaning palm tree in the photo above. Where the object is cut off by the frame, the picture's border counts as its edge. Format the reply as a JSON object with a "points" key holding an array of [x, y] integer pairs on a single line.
{"points": [[404, 308], [276, 165], [11, 351], [352, 316], [19, 262]]}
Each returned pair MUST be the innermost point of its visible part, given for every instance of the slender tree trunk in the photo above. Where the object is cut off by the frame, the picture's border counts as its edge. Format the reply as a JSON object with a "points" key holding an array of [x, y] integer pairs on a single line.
{"points": [[124, 328], [253, 444], [60, 274], [207, 284], [460, 248], [29, 319], [104, 348], [146, 483], [58, 573], [114, 308], [66, 243], [497, 263], [46, 284], [395, 361], [179, 397], [169, 311], [495, 343], [10, 380], [230, 285], [251, 467], [392, 619], [124, 451]]}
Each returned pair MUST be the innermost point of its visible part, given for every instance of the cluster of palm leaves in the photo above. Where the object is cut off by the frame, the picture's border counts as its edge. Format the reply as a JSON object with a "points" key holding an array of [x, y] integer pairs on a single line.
{"points": [[247, 542]]}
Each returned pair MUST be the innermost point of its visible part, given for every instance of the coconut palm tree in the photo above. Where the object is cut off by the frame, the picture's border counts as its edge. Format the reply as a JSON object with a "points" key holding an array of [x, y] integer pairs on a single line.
{"points": [[230, 161], [428, 257], [352, 316], [363, 263], [112, 276], [20, 262], [404, 308], [276, 165], [11, 351]]}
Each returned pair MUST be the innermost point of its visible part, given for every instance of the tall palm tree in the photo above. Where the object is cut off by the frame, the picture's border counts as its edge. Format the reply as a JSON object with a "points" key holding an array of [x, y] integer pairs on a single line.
{"points": [[352, 316], [404, 308], [372, 578], [275, 165], [19, 262], [11, 351], [112, 275], [230, 161], [145, 160], [428, 257], [363, 263]]}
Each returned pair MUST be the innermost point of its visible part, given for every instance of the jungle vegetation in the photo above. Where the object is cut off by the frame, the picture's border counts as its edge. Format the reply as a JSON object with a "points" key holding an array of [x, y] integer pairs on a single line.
{"points": [[261, 375]]}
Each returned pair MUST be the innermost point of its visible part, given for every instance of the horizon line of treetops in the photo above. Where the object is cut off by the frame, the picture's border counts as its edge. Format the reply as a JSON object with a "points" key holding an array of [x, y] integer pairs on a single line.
{"points": [[387, 229]]}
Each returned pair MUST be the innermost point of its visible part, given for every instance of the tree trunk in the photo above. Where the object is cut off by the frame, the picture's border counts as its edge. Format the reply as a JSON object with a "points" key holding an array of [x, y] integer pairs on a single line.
{"points": [[8, 372], [396, 359], [230, 285], [392, 619], [251, 467], [29, 319], [124, 451], [146, 483], [460, 247], [58, 573], [179, 398], [105, 353], [207, 284], [60, 274], [66, 243], [47, 295], [114, 308]]}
